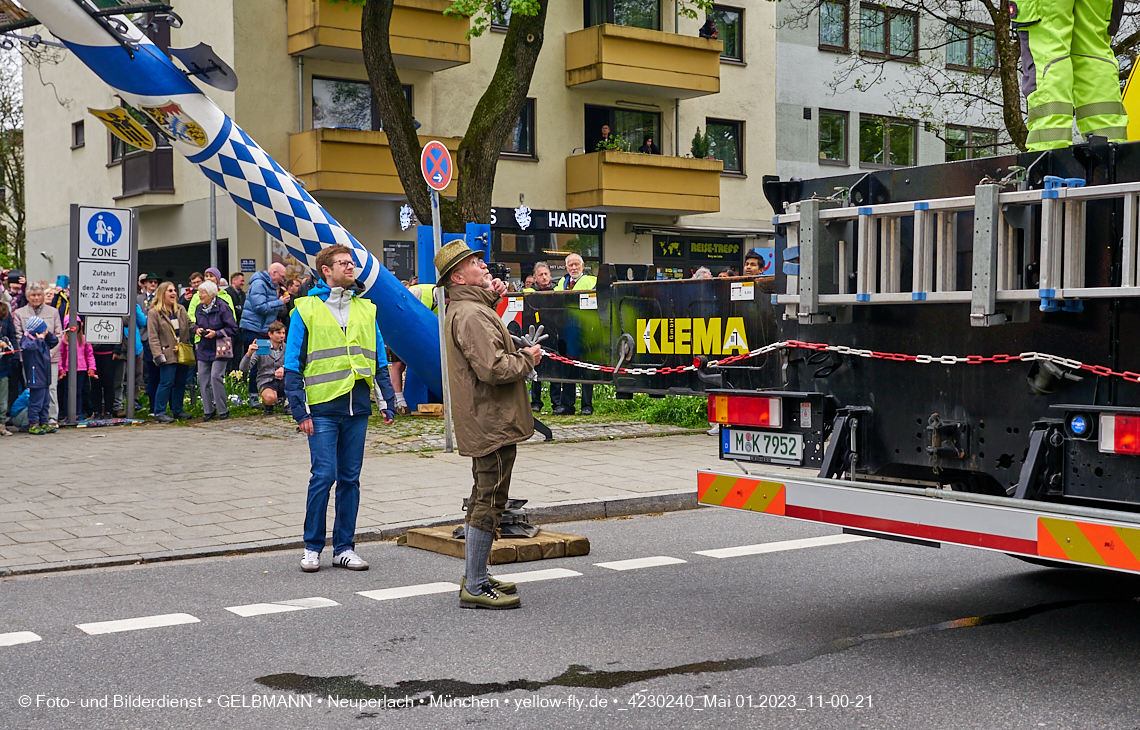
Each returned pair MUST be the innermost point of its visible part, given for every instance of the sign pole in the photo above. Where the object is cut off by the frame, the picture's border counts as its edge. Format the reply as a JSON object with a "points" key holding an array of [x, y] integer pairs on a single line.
{"points": [[437, 235], [72, 328], [213, 226], [132, 320]]}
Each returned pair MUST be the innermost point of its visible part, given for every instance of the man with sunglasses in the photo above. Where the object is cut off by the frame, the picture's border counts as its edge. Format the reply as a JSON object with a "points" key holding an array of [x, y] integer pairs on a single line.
{"points": [[334, 357]]}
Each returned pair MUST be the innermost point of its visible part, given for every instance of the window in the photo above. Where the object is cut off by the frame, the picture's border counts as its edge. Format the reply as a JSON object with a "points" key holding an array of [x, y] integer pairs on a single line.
{"points": [[120, 149], [520, 251], [727, 143], [970, 48], [343, 104], [832, 137], [520, 142], [966, 143], [631, 13], [500, 14], [730, 31], [833, 25], [77, 135], [886, 142], [628, 127], [888, 32]]}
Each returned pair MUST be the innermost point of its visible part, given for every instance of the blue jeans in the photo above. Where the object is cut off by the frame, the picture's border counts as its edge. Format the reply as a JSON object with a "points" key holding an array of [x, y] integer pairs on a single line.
{"points": [[171, 388], [337, 451], [152, 377]]}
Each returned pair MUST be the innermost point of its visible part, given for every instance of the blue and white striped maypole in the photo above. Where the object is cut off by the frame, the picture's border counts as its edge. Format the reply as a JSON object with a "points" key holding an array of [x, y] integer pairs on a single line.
{"points": [[207, 137]]}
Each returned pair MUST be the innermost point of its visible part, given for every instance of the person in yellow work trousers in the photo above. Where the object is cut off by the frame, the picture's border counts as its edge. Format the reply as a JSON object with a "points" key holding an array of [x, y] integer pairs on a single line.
{"points": [[1069, 70]]}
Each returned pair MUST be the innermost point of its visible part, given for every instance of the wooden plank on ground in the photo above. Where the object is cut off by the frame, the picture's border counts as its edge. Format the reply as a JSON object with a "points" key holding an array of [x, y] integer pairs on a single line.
{"points": [[546, 545]]}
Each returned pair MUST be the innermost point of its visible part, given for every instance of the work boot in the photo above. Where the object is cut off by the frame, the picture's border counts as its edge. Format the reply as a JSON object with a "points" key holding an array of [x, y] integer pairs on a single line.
{"points": [[487, 597], [502, 586]]}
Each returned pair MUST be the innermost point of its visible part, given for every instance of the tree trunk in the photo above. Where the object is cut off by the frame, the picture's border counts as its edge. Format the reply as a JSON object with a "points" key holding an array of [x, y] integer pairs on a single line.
{"points": [[1008, 53], [492, 121]]}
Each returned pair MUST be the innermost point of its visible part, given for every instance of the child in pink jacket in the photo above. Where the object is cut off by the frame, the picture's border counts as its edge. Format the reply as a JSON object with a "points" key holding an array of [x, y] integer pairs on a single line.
{"points": [[84, 368]]}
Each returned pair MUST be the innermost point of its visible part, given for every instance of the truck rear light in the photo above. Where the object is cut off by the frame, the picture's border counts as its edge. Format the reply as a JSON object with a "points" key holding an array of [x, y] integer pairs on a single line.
{"points": [[1119, 434], [746, 410]]}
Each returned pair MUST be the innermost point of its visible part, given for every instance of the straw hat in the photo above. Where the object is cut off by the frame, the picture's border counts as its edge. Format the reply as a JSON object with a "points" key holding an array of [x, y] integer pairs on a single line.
{"points": [[451, 255]]}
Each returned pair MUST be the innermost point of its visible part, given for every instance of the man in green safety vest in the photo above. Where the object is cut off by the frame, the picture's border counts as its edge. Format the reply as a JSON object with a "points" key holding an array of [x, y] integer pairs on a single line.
{"points": [[575, 280], [1068, 69], [426, 294], [334, 357]]}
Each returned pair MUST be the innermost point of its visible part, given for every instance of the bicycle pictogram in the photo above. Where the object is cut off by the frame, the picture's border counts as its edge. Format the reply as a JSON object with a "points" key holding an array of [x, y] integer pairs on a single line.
{"points": [[103, 326]]}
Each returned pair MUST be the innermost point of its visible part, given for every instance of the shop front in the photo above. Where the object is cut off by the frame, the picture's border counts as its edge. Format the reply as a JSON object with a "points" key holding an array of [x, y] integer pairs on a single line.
{"points": [[521, 237], [677, 257]]}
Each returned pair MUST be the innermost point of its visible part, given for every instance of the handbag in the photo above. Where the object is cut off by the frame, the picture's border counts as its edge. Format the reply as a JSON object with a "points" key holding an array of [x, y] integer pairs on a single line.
{"points": [[184, 351], [224, 347]]}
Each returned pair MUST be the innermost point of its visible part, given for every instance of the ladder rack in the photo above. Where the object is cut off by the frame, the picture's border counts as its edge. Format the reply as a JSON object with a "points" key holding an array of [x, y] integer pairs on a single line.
{"points": [[1003, 244]]}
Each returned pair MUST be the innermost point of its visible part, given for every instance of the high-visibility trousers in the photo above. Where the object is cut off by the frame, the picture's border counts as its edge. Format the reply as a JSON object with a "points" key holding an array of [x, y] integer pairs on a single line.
{"points": [[1069, 70]]}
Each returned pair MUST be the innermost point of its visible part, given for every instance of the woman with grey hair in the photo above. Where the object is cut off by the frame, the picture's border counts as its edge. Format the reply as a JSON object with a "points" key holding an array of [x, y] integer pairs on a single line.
{"points": [[215, 328], [702, 273]]}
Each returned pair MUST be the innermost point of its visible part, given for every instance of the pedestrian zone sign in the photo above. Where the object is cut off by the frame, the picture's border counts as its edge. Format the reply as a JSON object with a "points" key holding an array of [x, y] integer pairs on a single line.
{"points": [[104, 234]]}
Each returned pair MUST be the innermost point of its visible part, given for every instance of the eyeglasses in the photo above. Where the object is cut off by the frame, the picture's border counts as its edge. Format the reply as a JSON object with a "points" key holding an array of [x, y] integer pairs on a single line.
{"points": [[347, 263]]}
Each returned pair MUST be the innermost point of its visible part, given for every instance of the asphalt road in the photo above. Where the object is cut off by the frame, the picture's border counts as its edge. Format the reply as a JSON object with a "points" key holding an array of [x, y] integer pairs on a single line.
{"points": [[884, 635]]}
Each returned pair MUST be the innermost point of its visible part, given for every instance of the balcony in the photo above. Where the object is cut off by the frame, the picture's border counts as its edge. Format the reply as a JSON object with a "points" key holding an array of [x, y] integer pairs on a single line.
{"points": [[619, 59], [351, 163], [422, 37], [147, 172], [613, 181]]}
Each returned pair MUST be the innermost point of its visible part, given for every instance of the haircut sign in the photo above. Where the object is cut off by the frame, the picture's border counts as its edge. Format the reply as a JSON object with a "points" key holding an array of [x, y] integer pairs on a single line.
{"points": [[102, 260]]}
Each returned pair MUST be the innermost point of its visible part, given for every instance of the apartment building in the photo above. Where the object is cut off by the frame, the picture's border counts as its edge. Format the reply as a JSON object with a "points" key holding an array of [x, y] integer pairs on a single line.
{"points": [[637, 66], [826, 128]]}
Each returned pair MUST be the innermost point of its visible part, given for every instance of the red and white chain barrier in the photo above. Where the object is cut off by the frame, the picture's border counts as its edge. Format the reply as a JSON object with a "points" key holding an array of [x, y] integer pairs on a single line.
{"points": [[1099, 370]]}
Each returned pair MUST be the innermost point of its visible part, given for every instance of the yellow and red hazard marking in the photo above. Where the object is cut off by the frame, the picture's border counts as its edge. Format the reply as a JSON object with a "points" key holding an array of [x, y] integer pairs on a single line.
{"points": [[1090, 543], [740, 493]]}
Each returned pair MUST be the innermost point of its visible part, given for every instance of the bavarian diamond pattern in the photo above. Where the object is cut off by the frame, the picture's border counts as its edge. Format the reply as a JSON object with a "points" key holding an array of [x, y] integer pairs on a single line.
{"points": [[260, 187]]}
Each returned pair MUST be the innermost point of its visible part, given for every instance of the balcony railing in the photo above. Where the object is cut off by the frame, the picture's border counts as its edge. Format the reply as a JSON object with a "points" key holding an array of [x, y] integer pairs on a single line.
{"points": [[351, 162], [422, 37], [148, 172], [624, 181], [619, 59]]}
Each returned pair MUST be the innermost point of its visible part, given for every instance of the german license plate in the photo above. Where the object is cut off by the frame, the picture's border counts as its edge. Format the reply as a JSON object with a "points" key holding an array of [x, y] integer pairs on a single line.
{"points": [[766, 446]]}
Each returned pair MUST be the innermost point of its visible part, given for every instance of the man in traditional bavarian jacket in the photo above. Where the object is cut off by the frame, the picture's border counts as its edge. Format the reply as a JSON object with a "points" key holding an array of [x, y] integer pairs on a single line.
{"points": [[334, 357], [490, 409]]}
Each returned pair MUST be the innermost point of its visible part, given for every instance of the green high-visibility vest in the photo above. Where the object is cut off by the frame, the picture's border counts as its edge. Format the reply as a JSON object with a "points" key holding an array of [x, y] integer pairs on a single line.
{"points": [[426, 293], [585, 282], [337, 358]]}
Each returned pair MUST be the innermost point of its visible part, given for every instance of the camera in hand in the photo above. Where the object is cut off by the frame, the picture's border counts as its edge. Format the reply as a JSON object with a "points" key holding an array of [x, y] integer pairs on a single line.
{"points": [[499, 271]]}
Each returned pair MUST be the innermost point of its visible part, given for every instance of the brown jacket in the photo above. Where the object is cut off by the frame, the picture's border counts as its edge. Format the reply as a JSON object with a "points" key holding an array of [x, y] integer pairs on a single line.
{"points": [[489, 401], [161, 335]]}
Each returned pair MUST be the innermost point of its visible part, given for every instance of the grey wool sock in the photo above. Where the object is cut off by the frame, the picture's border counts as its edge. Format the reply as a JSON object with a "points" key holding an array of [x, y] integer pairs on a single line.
{"points": [[477, 550]]}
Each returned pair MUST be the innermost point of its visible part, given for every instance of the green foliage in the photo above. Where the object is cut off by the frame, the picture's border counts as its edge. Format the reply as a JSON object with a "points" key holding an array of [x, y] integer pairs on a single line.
{"points": [[613, 143], [484, 12], [702, 145], [678, 410]]}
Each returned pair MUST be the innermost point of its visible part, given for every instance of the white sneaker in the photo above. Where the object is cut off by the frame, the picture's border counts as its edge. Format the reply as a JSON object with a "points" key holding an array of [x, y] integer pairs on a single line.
{"points": [[311, 562], [349, 559], [714, 430]]}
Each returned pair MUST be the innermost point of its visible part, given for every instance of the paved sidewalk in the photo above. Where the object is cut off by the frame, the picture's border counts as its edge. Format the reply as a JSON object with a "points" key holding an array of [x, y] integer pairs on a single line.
{"points": [[98, 495]]}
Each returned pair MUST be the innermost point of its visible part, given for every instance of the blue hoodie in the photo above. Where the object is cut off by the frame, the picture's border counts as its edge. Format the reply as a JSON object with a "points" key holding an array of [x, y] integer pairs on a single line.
{"points": [[37, 359], [261, 304], [354, 403]]}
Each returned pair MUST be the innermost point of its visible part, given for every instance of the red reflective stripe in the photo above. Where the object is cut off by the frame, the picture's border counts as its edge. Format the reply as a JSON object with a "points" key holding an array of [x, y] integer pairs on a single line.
{"points": [[923, 532]]}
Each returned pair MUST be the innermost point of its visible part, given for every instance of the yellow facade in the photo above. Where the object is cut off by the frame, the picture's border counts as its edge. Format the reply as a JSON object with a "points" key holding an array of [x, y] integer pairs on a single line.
{"points": [[648, 62], [612, 180], [351, 161], [422, 37]]}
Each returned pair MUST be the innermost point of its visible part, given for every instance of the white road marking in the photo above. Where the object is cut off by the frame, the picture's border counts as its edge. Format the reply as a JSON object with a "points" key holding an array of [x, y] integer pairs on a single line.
{"points": [[133, 624], [533, 575], [777, 547], [297, 604], [637, 563], [426, 589], [18, 637]]}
